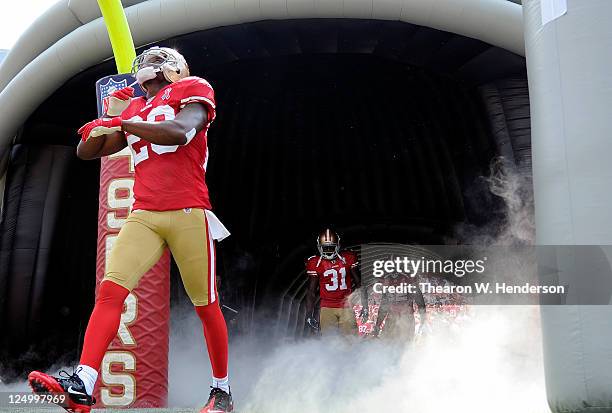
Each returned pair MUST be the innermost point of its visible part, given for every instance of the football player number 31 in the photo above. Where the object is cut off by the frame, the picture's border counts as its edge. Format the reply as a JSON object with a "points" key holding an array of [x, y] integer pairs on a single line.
{"points": [[157, 114], [337, 281]]}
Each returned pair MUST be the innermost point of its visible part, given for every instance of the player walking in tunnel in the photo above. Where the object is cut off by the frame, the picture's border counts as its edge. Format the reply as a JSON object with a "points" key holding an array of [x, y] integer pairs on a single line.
{"points": [[397, 310], [167, 134], [336, 275]]}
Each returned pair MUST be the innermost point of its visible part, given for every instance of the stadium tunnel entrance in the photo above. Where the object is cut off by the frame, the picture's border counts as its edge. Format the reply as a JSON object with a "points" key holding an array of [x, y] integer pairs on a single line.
{"points": [[380, 129]]}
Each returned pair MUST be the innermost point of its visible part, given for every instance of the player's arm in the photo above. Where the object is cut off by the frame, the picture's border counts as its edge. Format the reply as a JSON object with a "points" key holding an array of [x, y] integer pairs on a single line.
{"points": [[106, 133], [311, 295], [178, 131], [383, 310], [102, 145]]}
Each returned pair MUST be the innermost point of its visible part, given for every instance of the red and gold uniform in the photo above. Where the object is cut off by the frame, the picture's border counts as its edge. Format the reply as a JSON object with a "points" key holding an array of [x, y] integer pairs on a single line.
{"points": [[171, 202], [172, 209], [335, 283]]}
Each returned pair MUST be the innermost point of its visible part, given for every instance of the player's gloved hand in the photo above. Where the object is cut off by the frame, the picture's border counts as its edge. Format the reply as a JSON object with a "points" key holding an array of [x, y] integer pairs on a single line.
{"points": [[102, 126], [313, 323], [117, 101]]}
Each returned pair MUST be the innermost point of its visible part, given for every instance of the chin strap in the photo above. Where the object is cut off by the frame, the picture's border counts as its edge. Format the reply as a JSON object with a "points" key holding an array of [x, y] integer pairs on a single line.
{"points": [[337, 255], [145, 74]]}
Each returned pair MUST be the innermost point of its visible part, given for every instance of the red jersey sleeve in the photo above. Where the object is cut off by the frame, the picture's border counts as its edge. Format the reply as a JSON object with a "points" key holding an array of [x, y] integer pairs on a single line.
{"points": [[195, 89], [351, 259], [311, 266]]}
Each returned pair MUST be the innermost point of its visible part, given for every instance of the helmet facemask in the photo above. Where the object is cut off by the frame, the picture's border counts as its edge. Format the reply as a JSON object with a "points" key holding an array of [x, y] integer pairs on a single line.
{"points": [[159, 59], [329, 251]]}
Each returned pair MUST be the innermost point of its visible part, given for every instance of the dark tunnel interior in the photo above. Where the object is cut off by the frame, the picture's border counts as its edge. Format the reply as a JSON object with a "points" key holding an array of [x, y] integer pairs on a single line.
{"points": [[379, 129]]}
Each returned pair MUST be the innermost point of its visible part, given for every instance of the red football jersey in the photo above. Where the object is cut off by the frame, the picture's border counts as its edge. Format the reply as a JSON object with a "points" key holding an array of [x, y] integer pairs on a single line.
{"points": [[334, 277], [170, 177]]}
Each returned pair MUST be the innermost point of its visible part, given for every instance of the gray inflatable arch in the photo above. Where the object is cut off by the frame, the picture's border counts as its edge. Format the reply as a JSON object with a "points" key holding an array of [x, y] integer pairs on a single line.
{"points": [[75, 37], [568, 63], [569, 80]]}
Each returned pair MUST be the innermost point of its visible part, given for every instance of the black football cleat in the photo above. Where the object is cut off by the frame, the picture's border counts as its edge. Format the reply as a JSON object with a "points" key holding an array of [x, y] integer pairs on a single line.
{"points": [[77, 400], [219, 402]]}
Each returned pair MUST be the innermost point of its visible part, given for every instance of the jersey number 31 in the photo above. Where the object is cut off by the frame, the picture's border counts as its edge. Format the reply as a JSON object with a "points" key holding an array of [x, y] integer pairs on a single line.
{"points": [[333, 283]]}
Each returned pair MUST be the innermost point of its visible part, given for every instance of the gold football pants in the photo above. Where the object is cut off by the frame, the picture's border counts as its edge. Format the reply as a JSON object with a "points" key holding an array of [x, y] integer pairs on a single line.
{"points": [[143, 238], [338, 320]]}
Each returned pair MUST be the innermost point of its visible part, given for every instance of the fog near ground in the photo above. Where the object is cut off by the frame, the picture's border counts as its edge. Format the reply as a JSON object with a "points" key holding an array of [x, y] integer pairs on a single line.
{"points": [[493, 360]]}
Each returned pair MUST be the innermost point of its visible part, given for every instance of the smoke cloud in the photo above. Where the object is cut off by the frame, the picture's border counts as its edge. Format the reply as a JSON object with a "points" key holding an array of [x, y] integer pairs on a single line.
{"points": [[493, 361]]}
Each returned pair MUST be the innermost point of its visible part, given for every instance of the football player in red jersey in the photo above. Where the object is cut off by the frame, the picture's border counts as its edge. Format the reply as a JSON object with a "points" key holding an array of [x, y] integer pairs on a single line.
{"points": [[167, 134], [336, 275]]}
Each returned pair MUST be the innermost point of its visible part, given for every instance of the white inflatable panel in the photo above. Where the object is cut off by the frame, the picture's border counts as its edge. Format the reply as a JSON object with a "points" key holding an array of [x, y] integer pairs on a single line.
{"points": [[54, 23], [386, 9], [570, 85]]}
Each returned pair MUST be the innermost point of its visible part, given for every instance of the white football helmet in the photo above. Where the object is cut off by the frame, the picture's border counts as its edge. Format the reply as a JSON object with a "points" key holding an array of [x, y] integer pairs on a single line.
{"points": [[160, 59]]}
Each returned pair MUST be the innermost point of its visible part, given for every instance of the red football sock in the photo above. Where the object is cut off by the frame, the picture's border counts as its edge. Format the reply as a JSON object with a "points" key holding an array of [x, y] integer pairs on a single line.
{"points": [[103, 323], [215, 334]]}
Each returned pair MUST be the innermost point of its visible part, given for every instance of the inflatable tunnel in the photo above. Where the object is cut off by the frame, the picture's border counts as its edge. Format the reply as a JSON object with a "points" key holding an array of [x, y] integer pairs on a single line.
{"points": [[380, 117]]}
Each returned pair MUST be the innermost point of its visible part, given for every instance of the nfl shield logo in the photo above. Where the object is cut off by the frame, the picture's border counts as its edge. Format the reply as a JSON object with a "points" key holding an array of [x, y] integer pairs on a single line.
{"points": [[111, 86]]}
